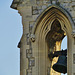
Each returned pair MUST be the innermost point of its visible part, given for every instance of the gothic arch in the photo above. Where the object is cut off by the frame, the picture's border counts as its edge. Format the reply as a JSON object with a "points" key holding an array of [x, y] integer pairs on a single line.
{"points": [[50, 11], [43, 26]]}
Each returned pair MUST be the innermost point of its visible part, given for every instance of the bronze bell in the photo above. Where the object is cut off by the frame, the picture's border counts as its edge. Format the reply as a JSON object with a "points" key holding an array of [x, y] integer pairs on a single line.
{"points": [[61, 65]]}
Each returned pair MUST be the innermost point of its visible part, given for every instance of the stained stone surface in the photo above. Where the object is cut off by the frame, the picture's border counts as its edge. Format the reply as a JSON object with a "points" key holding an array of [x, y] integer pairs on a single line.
{"points": [[34, 55]]}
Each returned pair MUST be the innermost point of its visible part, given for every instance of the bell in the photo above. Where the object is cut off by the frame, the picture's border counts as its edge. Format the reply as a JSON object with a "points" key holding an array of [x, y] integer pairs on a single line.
{"points": [[61, 65]]}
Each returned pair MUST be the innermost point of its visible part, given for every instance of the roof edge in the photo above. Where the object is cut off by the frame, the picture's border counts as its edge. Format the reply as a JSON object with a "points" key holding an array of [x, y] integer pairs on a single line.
{"points": [[15, 4]]}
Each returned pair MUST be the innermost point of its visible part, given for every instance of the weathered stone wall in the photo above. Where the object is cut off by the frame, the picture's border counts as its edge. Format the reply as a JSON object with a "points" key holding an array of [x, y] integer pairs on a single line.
{"points": [[30, 10], [37, 6]]}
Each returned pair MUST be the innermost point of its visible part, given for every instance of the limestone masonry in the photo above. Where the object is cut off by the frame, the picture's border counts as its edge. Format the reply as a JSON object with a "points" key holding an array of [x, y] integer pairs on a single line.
{"points": [[45, 24]]}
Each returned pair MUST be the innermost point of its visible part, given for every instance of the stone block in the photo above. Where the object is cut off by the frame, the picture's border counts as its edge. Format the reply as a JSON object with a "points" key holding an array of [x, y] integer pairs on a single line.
{"points": [[29, 71], [73, 8], [39, 7], [74, 20], [16, 1], [28, 53], [32, 62], [27, 38], [32, 2], [34, 7], [34, 17], [44, 6], [40, 11], [39, 2], [35, 12], [67, 1], [46, 2], [25, 10], [72, 4], [73, 58], [31, 23], [73, 0], [61, 1], [73, 14]]}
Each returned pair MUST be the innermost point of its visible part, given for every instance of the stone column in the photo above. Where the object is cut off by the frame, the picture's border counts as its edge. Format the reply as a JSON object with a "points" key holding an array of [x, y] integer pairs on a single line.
{"points": [[25, 49]]}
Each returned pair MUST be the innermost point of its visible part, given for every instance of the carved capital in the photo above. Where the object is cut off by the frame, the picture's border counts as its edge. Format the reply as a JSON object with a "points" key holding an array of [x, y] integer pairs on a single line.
{"points": [[32, 37]]}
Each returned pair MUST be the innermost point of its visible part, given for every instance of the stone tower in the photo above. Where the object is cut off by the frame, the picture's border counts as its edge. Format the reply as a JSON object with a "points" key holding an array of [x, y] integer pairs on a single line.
{"points": [[45, 24]]}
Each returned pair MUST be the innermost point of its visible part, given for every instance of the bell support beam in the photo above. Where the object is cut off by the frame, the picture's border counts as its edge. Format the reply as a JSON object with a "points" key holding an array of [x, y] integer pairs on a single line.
{"points": [[57, 53]]}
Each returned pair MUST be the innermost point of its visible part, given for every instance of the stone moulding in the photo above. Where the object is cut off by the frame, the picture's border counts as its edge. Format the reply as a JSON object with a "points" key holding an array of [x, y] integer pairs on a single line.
{"points": [[64, 11], [43, 20]]}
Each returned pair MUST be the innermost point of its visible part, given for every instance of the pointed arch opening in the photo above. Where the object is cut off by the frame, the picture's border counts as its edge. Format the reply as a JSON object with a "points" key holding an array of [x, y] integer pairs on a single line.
{"points": [[50, 28], [54, 39]]}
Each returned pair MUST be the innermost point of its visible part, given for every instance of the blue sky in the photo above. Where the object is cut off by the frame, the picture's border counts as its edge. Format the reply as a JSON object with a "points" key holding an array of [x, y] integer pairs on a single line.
{"points": [[10, 34]]}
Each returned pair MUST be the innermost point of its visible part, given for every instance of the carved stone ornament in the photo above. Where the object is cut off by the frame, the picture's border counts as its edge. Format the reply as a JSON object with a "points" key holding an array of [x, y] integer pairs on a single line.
{"points": [[32, 37]]}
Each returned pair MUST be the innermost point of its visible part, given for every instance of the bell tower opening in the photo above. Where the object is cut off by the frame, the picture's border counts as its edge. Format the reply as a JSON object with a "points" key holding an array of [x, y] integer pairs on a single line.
{"points": [[64, 46], [55, 35], [54, 40]]}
